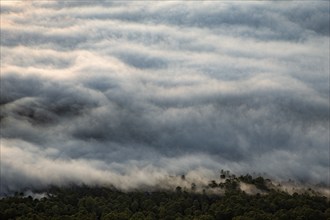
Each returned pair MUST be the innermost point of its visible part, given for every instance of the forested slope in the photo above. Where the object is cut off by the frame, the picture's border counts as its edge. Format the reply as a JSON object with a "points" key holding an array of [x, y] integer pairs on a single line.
{"points": [[219, 200]]}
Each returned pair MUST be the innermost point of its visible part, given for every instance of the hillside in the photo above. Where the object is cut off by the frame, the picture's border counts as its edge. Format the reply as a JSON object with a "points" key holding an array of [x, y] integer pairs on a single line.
{"points": [[227, 198]]}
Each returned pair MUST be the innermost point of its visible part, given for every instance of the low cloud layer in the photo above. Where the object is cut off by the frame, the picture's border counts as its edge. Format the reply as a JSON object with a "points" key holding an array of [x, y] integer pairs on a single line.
{"points": [[131, 93]]}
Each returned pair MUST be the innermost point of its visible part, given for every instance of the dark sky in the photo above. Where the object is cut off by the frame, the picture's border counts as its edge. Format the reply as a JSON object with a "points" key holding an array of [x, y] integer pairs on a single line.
{"points": [[130, 93]]}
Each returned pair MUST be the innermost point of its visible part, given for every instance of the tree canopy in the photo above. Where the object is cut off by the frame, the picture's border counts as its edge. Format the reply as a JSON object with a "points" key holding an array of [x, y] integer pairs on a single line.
{"points": [[84, 202]]}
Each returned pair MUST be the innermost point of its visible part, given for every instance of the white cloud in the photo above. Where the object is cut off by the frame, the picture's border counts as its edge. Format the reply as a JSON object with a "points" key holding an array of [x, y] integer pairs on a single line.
{"points": [[133, 90]]}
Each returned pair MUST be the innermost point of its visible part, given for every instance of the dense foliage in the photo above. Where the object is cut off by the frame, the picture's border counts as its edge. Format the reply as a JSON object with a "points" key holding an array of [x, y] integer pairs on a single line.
{"points": [[85, 202]]}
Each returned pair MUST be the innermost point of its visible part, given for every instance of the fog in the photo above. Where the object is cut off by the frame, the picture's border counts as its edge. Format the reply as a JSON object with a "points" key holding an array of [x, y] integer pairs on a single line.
{"points": [[131, 94]]}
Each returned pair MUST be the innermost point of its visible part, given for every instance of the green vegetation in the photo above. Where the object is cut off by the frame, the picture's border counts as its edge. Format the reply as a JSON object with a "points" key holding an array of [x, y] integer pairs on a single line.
{"points": [[83, 202]]}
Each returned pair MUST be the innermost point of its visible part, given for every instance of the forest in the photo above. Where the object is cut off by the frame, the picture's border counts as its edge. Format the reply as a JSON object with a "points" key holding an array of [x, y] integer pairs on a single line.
{"points": [[219, 200]]}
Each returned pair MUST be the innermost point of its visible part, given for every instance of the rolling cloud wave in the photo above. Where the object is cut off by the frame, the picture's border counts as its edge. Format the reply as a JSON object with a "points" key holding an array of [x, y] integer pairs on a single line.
{"points": [[130, 93]]}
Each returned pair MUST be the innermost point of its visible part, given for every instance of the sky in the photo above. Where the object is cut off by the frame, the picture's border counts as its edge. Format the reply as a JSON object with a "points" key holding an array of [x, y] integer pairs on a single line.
{"points": [[132, 93]]}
